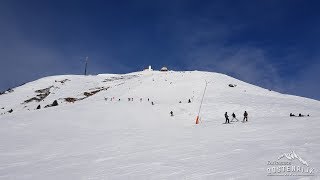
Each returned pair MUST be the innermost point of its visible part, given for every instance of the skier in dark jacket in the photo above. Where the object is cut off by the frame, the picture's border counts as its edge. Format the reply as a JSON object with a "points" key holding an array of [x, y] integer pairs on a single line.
{"points": [[234, 117], [245, 116], [189, 101], [227, 117], [171, 113]]}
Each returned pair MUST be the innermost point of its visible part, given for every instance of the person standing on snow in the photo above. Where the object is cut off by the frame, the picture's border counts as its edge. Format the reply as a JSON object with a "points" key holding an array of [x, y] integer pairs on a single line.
{"points": [[227, 118], [171, 113], [245, 116]]}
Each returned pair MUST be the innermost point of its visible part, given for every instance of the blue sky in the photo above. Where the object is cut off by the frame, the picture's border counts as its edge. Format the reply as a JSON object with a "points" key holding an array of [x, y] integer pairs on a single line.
{"points": [[270, 43]]}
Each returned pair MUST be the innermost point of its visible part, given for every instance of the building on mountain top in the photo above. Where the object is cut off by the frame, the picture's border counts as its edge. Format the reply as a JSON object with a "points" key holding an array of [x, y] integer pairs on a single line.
{"points": [[164, 69], [149, 68]]}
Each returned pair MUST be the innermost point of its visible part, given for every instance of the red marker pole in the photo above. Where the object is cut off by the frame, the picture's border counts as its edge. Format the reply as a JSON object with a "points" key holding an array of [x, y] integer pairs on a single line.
{"points": [[197, 119]]}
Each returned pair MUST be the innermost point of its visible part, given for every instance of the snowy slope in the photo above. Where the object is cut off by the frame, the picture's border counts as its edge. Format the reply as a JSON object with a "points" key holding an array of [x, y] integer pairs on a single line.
{"points": [[96, 138]]}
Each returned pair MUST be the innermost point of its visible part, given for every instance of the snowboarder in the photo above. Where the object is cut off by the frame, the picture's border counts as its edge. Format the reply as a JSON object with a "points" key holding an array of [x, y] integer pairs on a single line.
{"points": [[245, 116], [189, 101], [234, 117], [171, 113], [227, 118]]}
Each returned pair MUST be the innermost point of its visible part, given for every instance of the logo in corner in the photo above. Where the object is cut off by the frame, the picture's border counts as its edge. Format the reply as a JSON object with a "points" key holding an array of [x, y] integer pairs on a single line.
{"points": [[290, 164], [292, 156]]}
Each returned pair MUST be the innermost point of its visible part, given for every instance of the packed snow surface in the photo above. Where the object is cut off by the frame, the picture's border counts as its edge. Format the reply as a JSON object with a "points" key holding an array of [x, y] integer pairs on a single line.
{"points": [[97, 133]]}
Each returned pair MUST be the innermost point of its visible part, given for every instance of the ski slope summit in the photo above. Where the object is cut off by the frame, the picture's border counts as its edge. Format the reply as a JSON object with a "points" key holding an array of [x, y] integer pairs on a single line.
{"points": [[118, 126]]}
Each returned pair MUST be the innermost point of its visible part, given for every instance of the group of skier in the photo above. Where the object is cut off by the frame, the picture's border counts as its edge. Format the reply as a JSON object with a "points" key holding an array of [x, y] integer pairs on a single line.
{"points": [[129, 99], [245, 114], [300, 115], [189, 101], [171, 112], [245, 117]]}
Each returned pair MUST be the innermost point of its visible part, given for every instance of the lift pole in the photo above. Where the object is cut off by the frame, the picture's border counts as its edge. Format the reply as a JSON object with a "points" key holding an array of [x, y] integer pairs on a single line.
{"points": [[197, 119]]}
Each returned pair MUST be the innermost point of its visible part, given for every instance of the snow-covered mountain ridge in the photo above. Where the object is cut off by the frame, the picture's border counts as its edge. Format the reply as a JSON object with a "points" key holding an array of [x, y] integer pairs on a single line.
{"points": [[167, 88]]}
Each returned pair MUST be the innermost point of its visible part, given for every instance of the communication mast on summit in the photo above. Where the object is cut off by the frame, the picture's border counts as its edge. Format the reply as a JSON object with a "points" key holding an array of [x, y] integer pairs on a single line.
{"points": [[86, 65]]}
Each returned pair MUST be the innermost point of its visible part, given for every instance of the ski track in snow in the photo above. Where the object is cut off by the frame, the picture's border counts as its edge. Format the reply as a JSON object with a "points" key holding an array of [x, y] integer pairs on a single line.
{"points": [[98, 139]]}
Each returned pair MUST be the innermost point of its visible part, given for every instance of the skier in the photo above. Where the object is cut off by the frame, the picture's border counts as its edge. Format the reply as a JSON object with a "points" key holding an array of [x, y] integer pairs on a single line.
{"points": [[234, 117], [227, 117], [152, 103], [189, 101], [140, 99], [171, 113], [245, 116], [128, 99], [148, 99]]}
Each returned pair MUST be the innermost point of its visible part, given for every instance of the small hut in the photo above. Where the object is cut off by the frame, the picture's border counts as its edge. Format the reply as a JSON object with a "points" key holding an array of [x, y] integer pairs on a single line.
{"points": [[164, 69]]}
